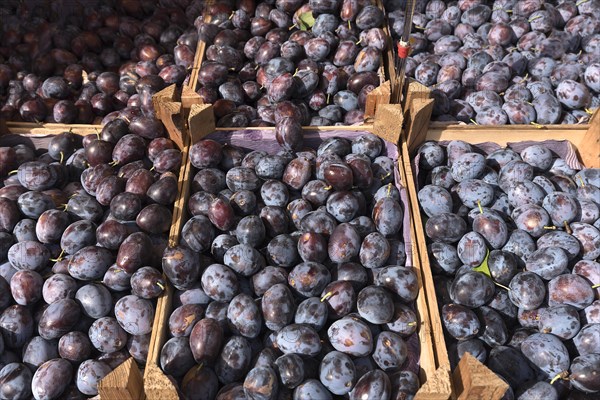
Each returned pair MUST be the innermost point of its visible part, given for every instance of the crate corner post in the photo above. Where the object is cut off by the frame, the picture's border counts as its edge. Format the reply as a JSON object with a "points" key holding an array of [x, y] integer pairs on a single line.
{"points": [[123, 383], [157, 386], [388, 122], [438, 385], [589, 147], [201, 121], [473, 380]]}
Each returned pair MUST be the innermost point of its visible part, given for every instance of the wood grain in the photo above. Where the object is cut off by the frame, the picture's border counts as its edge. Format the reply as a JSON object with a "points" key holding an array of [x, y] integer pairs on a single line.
{"points": [[475, 381], [123, 383]]}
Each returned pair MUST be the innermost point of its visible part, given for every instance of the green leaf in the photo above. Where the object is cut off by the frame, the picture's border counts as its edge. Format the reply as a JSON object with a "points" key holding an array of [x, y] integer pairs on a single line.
{"points": [[306, 20], [484, 268]]}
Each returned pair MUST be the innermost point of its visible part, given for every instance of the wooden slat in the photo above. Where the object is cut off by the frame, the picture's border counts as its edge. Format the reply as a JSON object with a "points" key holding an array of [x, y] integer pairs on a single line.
{"points": [[157, 385], [21, 128], [436, 324], [200, 50], [435, 379]]}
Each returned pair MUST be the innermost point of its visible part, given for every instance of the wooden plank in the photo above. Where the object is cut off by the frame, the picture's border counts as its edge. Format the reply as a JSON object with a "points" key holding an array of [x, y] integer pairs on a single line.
{"points": [[123, 383], [475, 381], [200, 50], [435, 379], [50, 129], [157, 386], [438, 339], [308, 128]]}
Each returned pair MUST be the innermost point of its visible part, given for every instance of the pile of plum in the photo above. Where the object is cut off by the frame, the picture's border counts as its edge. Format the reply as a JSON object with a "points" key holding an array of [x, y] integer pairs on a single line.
{"points": [[83, 227], [291, 278], [514, 239], [319, 59], [75, 61], [505, 61]]}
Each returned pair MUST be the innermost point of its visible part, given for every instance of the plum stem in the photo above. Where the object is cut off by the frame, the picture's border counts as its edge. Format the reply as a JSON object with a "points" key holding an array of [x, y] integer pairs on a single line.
{"points": [[59, 258], [160, 285], [473, 121], [562, 375], [359, 40], [292, 27], [152, 169], [412, 323], [384, 177], [389, 190], [62, 156], [326, 296], [534, 18], [538, 126], [232, 14], [113, 163], [596, 286], [551, 228], [14, 171], [328, 187], [581, 180], [567, 227], [580, 2], [502, 286], [480, 207]]}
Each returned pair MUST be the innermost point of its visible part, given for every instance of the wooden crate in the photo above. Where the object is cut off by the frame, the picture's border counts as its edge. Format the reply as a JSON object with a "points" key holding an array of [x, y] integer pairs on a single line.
{"points": [[472, 379], [124, 382], [435, 377], [380, 95]]}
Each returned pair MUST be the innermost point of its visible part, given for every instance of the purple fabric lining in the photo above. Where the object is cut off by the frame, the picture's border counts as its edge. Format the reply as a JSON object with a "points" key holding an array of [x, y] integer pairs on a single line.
{"points": [[250, 139]]}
